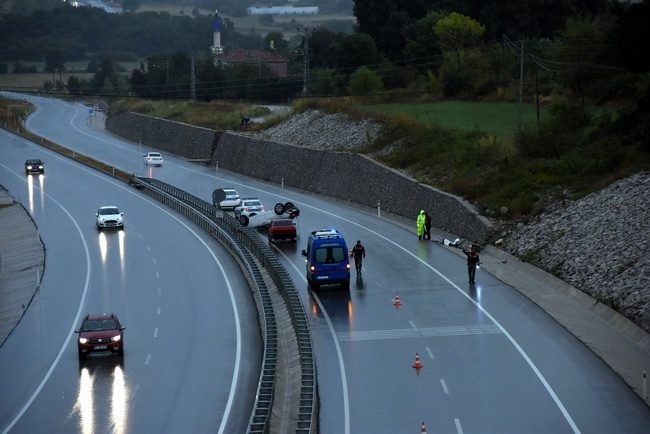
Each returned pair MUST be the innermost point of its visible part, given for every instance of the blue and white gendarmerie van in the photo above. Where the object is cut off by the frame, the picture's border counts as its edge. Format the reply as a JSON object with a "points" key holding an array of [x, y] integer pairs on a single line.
{"points": [[327, 259]]}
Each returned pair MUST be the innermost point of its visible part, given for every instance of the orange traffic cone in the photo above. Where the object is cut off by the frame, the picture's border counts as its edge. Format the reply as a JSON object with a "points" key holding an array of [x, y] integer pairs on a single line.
{"points": [[396, 301], [423, 428], [417, 364]]}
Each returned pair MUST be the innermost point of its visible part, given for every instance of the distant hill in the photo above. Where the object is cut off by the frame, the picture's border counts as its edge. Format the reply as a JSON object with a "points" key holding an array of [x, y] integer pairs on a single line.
{"points": [[26, 7]]}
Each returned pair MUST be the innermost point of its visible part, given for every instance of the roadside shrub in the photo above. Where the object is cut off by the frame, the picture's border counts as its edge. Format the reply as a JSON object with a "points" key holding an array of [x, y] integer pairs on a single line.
{"points": [[364, 81], [455, 83], [563, 130]]}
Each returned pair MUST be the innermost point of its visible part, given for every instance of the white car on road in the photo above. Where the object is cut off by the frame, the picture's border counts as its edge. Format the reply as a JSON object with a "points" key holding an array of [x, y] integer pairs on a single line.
{"points": [[109, 217], [153, 159]]}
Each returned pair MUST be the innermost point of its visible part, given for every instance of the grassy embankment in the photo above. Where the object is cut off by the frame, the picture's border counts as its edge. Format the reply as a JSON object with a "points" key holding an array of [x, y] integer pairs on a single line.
{"points": [[214, 115], [474, 150], [467, 148]]}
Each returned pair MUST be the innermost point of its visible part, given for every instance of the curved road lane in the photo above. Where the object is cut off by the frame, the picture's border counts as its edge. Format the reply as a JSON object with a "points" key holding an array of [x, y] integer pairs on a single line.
{"points": [[493, 361], [192, 342]]}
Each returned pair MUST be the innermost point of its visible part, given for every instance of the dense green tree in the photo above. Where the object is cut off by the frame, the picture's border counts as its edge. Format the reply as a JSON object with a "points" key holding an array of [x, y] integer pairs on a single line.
{"points": [[456, 32], [633, 34], [423, 42], [320, 42], [74, 85], [355, 50], [54, 60], [580, 48], [387, 21], [364, 81], [323, 82]]}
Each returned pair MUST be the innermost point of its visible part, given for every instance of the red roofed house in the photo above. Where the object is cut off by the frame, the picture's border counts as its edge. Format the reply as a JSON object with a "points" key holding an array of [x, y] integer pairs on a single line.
{"points": [[254, 56]]}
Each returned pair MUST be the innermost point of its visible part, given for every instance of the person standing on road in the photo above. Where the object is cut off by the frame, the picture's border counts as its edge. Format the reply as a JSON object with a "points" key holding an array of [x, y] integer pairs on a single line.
{"points": [[358, 253], [420, 224], [473, 261], [427, 226]]}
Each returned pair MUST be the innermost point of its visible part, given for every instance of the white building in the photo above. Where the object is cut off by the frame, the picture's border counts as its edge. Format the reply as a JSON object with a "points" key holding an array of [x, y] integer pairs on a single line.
{"points": [[282, 10]]}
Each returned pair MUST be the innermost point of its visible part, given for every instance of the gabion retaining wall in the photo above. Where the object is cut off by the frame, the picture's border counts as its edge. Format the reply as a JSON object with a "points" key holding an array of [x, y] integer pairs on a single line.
{"points": [[347, 176]]}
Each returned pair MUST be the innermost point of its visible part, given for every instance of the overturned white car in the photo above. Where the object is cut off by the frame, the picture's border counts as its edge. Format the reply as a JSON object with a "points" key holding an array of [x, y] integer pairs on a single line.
{"points": [[280, 211]]}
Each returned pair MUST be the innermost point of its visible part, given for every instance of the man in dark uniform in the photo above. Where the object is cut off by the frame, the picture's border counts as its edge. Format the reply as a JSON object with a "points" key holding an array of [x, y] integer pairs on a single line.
{"points": [[358, 253], [472, 262]]}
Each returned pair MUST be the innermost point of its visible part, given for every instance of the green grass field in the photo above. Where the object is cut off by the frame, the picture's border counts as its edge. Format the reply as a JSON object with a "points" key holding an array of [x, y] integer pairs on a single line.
{"points": [[497, 118]]}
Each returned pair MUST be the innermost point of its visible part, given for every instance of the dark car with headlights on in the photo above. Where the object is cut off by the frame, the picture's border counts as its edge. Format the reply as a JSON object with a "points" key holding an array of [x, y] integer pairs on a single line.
{"points": [[100, 333], [34, 166]]}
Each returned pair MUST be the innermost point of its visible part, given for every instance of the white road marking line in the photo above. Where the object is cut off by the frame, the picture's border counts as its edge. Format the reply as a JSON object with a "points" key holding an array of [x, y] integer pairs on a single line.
{"points": [[82, 302], [148, 248], [157, 275], [148, 359], [155, 332], [233, 302], [159, 291], [444, 385], [413, 325], [158, 311], [154, 260], [372, 335], [430, 353], [459, 428], [339, 353]]}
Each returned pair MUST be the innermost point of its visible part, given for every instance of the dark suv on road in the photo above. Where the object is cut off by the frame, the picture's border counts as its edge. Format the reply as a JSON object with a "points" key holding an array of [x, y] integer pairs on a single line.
{"points": [[100, 332]]}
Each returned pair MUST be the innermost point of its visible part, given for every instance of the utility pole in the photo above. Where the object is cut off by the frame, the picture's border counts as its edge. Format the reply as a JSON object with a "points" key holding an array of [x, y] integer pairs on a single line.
{"points": [[193, 80], [521, 82], [305, 58]]}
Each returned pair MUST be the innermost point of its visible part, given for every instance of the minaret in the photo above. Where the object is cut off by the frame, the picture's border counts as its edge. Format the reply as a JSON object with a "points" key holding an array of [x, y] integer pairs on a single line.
{"points": [[216, 47]]}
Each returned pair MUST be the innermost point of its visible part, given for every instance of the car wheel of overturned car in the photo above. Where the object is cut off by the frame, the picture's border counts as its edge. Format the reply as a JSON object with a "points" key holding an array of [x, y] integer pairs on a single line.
{"points": [[243, 220], [278, 208], [289, 205]]}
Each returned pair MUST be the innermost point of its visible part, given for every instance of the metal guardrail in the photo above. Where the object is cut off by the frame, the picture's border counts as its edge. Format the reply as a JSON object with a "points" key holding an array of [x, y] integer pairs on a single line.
{"points": [[244, 242]]}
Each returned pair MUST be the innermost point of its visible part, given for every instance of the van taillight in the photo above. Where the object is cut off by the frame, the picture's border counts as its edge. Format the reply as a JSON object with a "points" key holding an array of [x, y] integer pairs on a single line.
{"points": [[312, 268]]}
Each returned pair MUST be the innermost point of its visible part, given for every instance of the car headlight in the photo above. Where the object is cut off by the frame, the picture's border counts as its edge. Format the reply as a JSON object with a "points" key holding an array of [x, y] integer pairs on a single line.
{"points": [[116, 338], [83, 340], [29, 167]]}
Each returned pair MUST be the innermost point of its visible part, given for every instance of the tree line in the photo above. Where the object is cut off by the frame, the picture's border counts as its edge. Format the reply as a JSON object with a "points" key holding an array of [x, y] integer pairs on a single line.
{"points": [[468, 49]]}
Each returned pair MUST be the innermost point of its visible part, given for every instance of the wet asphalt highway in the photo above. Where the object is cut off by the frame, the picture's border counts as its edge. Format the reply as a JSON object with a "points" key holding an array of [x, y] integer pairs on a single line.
{"points": [[493, 361], [191, 339]]}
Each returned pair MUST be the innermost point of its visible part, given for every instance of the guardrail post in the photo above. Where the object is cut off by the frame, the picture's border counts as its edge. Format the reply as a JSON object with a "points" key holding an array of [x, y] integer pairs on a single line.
{"points": [[217, 167], [378, 209], [282, 183]]}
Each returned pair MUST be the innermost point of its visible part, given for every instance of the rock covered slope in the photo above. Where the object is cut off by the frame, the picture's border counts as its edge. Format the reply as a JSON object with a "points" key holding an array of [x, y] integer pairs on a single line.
{"points": [[599, 244], [332, 132]]}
